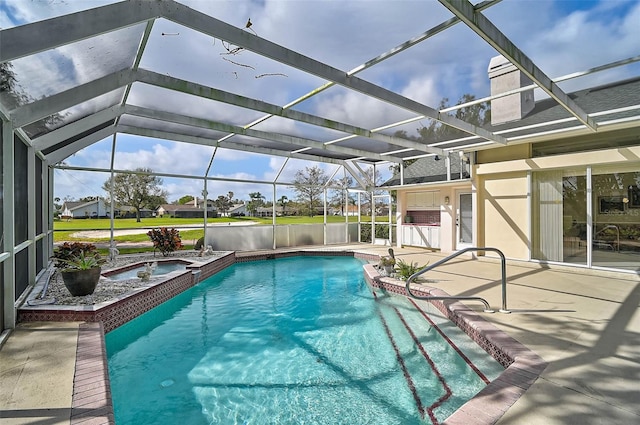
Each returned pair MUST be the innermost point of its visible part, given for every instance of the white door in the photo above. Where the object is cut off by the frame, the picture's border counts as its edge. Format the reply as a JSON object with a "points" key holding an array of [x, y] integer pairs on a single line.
{"points": [[464, 221]]}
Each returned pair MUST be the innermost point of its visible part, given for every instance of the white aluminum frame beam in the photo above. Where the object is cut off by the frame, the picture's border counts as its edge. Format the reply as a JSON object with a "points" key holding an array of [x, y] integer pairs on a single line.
{"points": [[266, 135], [18, 42], [213, 27], [354, 173], [138, 131], [376, 60], [42, 108], [77, 127], [66, 151], [195, 89], [482, 26]]}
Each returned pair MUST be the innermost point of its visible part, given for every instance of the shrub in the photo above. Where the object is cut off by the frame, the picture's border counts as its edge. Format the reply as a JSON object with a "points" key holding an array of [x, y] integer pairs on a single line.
{"points": [[165, 240], [404, 270], [387, 261]]}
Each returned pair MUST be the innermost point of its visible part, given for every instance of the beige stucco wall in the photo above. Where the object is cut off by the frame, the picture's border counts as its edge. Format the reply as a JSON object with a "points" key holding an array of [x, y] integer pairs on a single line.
{"points": [[503, 213], [506, 153], [581, 159]]}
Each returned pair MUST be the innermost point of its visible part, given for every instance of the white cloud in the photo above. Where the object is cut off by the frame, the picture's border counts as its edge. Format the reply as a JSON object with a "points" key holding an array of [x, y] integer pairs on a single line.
{"points": [[422, 89]]}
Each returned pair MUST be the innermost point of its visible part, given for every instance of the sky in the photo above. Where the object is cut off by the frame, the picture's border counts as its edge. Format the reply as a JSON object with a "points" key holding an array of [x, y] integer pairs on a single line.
{"points": [[560, 36]]}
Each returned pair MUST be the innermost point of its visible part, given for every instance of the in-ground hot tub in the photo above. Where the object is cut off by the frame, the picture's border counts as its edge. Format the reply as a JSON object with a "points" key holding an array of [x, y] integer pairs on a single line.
{"points": [[159, 268]]}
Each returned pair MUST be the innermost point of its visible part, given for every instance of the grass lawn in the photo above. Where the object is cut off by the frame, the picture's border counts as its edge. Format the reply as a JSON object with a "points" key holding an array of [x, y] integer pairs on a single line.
{"points": [[64, 229]]}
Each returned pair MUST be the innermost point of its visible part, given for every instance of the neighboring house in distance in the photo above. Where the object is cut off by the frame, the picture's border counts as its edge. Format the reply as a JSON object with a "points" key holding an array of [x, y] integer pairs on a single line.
{"points": [[127, 211], [193, 209], [237, 210], [268, 211], [81, 209], [352, 210]]}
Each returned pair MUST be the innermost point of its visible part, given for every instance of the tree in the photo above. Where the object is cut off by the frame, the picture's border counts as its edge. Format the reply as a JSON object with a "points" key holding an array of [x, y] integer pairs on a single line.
{"points": [[257, 200], [88, 199], [223, 204], [376, 180], [185, 200], [338, 194], [478, 114], [282, 201], [138, 190], [309, 185]]}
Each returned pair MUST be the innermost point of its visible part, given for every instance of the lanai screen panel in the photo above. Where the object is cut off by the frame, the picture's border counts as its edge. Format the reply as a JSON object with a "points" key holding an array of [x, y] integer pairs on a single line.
{"points": [[373, 66], [216, 63], [63, 68], [166, 100]]}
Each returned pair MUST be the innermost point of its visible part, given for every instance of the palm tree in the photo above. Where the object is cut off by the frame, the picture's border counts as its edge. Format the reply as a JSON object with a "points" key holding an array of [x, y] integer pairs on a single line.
{"points": [[283, 202]]}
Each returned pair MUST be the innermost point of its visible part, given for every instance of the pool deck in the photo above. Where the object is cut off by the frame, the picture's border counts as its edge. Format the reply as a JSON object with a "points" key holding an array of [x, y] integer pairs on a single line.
{"points": [[584, 323]]}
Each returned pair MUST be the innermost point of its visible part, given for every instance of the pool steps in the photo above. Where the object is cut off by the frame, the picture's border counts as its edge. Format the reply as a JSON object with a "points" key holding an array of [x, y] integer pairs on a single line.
{"points": [[522, 366]]}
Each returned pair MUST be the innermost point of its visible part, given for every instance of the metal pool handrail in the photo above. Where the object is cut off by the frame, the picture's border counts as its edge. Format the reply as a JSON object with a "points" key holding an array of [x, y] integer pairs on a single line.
{"points": [[452, 256]]}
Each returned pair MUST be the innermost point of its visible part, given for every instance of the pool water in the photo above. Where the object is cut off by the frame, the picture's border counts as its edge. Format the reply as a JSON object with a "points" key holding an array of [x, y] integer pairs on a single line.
{"points": [[300, 340], [162, 268]]}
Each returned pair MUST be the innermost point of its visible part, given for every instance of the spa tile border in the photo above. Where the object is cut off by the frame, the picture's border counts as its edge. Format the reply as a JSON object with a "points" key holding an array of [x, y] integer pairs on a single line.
{"points": [[522, 366]]}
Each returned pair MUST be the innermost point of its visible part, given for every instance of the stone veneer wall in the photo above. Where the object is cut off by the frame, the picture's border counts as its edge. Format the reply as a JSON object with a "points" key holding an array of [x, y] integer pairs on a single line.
{"points": [[523, 366]]}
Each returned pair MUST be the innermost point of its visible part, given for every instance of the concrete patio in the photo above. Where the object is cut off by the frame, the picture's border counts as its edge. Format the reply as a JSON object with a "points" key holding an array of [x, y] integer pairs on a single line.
{"points": [[584, 323]]}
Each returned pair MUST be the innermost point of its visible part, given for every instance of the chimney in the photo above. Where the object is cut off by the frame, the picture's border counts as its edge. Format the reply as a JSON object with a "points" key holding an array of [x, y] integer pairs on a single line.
{"points": [[504, 76]]}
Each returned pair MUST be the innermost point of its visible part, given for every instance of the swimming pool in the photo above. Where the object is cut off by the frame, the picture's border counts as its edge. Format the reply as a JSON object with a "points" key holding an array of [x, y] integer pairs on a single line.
{"points": [[291, 341]]}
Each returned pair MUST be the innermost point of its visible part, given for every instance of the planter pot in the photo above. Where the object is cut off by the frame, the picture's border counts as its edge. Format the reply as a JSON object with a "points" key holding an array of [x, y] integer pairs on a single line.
{"points": [[81, 282]]}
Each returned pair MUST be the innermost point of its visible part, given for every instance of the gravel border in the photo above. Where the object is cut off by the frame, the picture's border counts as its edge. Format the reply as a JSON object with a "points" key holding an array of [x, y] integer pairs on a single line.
{"points": [[107, 289]]}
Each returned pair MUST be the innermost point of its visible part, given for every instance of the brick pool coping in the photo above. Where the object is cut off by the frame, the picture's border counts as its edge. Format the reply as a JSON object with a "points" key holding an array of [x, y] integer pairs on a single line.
{"points": [[91, 402], [522, 366]]}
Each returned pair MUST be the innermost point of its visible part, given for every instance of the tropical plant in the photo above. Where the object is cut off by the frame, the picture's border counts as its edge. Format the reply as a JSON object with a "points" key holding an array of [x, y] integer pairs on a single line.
{"points": [[165, 240], [83, 262], [404, 270], [76, 255]]}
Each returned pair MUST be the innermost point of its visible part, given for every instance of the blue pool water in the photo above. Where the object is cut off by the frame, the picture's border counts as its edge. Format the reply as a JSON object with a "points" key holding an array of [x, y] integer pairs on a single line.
{"points": [[290, 341], [162, 268]]}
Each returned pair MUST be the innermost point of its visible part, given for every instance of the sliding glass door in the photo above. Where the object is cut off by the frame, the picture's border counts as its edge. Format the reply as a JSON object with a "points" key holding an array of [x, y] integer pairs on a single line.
{"points": [[616, 217], [593, 222], [560, 216]]}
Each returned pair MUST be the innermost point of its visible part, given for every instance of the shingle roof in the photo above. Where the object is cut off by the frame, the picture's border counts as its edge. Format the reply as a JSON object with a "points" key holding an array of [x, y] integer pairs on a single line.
{"points": [[611, 96], [428, 169], [606, 97]]}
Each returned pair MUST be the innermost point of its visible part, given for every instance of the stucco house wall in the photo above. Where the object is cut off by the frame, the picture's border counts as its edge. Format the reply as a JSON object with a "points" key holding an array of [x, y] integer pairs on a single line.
{"points": [[503, 211]]}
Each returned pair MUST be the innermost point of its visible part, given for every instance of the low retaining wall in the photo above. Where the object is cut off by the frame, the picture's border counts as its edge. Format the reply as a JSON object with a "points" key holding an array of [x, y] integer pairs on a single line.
{"points": [[121, 310]]}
